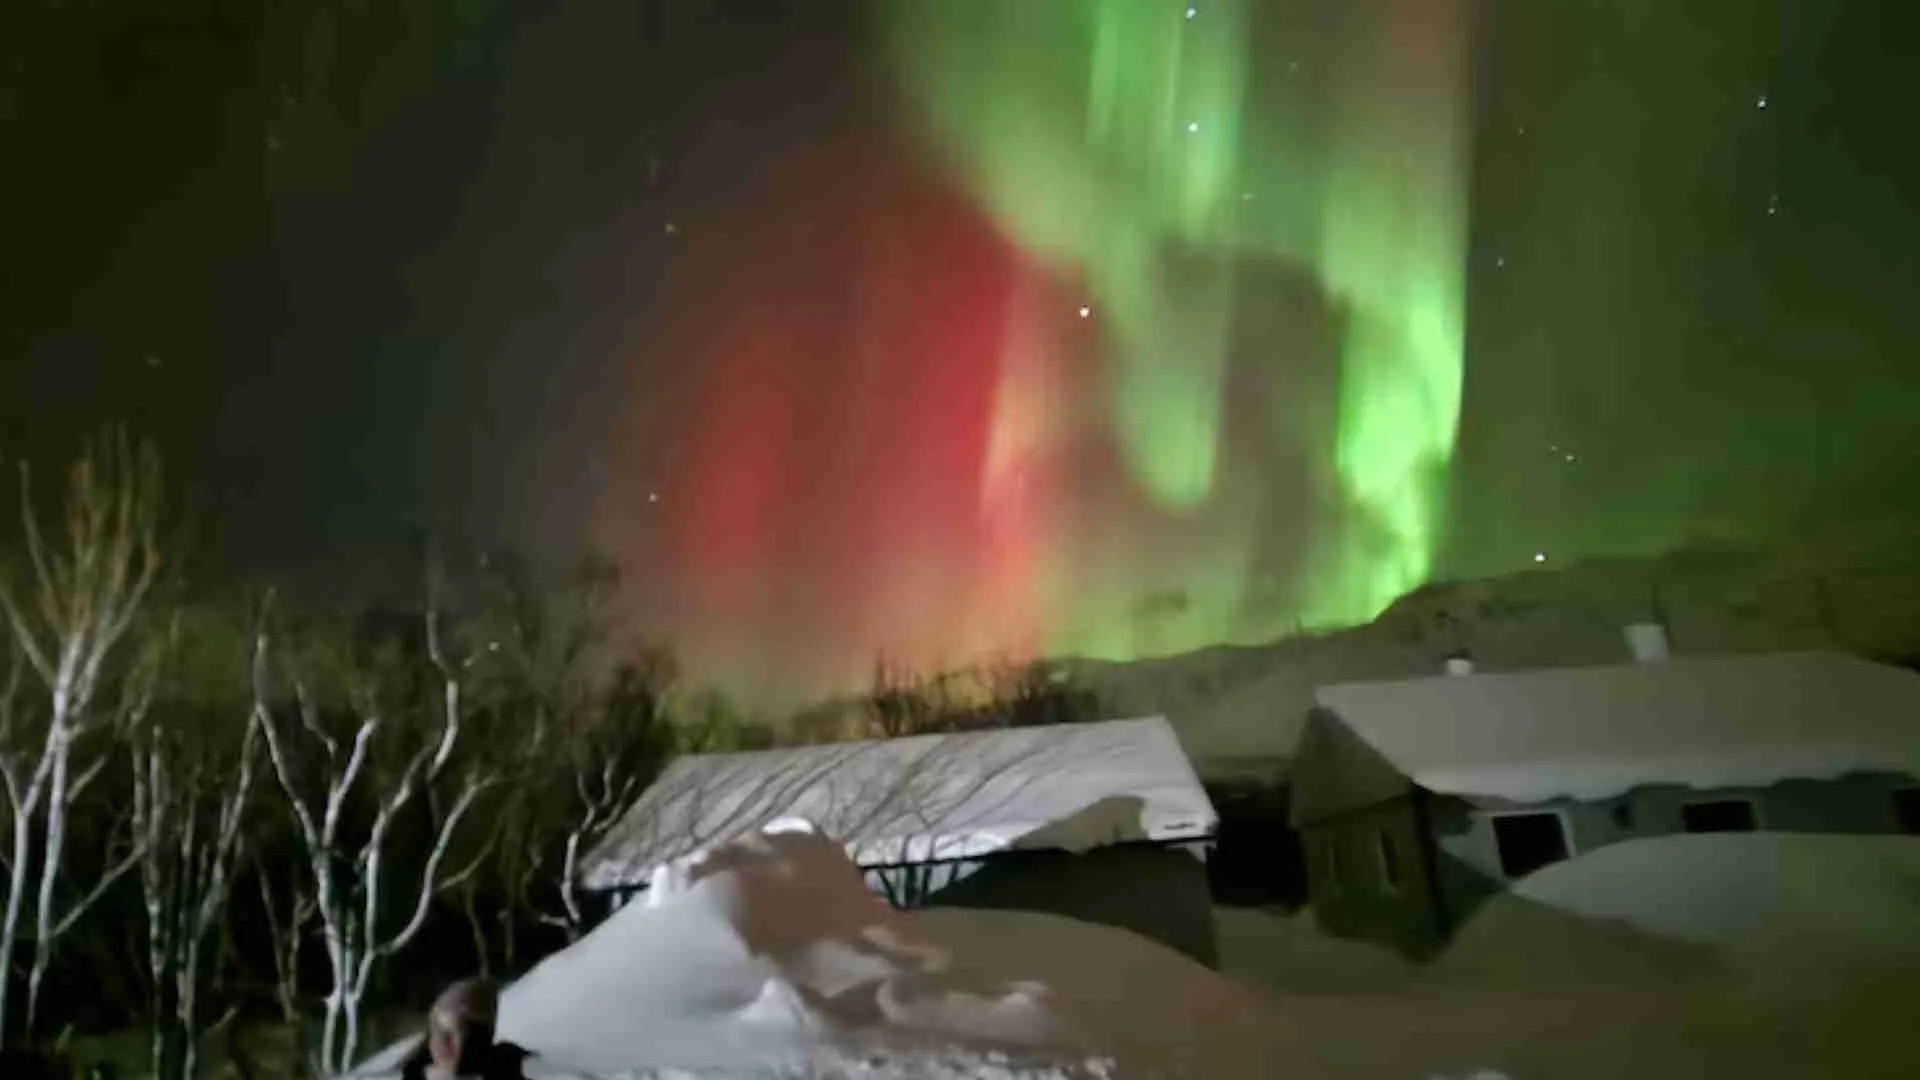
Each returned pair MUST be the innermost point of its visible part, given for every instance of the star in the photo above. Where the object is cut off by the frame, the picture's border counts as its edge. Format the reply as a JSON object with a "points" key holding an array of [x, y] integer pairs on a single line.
{"points": [[1761, 103], [1086, 312], [653, 496], [1539, 556], [1192, 11], [1193, 126], [672, 228]]}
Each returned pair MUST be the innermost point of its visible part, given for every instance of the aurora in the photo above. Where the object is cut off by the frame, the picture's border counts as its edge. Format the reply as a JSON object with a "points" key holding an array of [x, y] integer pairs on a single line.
{"points": [[1139, 330]]}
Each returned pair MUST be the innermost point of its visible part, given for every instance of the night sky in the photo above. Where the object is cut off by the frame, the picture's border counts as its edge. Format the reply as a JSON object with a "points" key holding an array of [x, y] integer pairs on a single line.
{"points": [[952, 329]]}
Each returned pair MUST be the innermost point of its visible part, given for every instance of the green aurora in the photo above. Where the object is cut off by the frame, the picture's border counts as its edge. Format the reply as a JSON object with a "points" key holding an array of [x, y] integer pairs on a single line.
{"points": [[1124, 142]]}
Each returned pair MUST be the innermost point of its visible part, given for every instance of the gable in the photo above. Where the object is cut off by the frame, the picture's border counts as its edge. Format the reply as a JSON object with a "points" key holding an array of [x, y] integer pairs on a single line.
{"points": [[1336, 771]]}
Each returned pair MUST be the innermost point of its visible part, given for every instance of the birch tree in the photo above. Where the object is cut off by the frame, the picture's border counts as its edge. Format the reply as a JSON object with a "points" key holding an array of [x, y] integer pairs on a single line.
{"points": [[194, 774], [69, 613], [357, 777], [612, 750], [580, 742]]}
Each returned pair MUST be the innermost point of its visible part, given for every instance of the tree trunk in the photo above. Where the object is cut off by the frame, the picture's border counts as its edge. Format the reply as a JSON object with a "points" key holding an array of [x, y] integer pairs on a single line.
{"points": [[16, 893], [53, 849], [477, 931]]}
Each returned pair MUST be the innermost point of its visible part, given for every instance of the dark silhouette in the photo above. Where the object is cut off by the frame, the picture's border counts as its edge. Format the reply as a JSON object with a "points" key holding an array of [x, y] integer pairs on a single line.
{"points": [[28, 1063]]}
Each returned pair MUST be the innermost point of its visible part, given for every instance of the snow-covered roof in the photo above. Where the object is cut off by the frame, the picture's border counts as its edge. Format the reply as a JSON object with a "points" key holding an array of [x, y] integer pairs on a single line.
{"points": [[923, 798], [1721, 721]]}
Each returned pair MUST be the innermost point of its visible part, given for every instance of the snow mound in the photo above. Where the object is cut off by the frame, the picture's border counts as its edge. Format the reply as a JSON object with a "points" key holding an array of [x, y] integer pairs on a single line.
{"points": [[1766, 900], [769, 957], [1291, 954], [1751, 908]]}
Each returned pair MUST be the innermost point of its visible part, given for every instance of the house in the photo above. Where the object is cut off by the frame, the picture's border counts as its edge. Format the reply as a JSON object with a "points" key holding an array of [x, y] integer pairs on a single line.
{"points": [[1418, 799], [1104, 822]]}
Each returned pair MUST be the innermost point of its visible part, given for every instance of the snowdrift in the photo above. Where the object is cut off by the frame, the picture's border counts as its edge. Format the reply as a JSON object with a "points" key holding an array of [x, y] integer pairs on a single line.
{"points": [[1740, 908], [1766, 901], [769, 957], [1758, 956]]}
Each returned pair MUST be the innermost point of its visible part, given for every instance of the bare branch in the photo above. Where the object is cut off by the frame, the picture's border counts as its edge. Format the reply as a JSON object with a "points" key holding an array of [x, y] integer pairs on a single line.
{"points": [[99, 889], [302, 816], [428, 888], [81, 782], [337, 795], [24, 634], [310, 718]]}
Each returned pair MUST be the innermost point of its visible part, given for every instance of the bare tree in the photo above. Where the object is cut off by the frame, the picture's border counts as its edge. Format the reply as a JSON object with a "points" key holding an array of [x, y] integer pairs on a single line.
{"points": [[899, 704], [613, 748], [193, 782], [1032, 694], [347, 863], [83, 590], [286, 930]]}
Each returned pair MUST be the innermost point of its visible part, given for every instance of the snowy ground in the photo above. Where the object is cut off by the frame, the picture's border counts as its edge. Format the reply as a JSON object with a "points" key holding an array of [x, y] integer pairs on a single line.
{"points": [[1753, 956], [1749, 956]]}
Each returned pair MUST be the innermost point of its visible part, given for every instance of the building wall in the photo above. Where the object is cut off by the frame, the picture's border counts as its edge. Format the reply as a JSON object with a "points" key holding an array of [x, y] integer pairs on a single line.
{"points": [[1468, 852], [1858, 804], [1158, 892], [1371, 876], [1442, 885]]}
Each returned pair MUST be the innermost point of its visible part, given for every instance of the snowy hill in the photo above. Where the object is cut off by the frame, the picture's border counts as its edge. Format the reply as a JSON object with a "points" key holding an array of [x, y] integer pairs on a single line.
{"points": [[1240, 708]]}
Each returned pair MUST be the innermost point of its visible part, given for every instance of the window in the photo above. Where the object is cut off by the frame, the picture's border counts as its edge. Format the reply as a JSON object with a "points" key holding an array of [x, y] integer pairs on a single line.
{"points": [[1906, 809], [1719, 815], [1622, 814], [1528, 842], [1389, 862]]}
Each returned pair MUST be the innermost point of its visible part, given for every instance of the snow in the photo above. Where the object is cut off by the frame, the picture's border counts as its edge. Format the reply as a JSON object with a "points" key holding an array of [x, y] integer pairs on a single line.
{"points": [[1589, 733], [1288, 952], [768, 956], [1655, 958], [1768, 902], [923, 798], [1741, 955]]}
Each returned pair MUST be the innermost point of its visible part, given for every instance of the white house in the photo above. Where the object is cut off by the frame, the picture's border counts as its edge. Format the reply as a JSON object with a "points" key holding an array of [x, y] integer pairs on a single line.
{"points": [[1417, 799], [1105, 822]]}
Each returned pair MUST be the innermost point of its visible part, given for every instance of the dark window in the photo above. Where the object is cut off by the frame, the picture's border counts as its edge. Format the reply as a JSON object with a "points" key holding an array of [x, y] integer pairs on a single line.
{"points": [[1389, 862], [1906, 809], [1622, 815], [1720, 815], [1528, 842]]}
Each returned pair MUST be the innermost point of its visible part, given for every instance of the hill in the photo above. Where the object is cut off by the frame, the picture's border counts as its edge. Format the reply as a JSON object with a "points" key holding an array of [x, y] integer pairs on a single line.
{"points": [[1239, 709]]}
